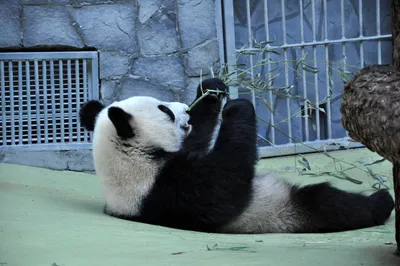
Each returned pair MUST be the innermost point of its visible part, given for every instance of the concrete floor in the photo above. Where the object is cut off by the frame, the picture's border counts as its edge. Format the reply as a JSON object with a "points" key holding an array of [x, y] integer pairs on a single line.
{"points": [[55, 218]]}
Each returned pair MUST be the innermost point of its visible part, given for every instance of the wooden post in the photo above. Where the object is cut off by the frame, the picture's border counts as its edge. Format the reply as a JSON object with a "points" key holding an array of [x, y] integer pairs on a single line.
{"points": [[396, 63]]}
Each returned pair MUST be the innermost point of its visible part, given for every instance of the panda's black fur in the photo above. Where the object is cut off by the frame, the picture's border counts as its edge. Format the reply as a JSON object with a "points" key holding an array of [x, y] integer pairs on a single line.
{"points": [[214, 190]]}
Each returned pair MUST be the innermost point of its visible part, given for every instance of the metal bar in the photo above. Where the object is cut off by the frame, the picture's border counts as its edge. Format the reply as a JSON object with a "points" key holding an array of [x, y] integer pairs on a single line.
{"points": [[343, 34], [37, 94], [77, 88], [20, 111], [85, 94], [46, 126], [316, 146], [327, 70], [29, 103], [283, 22], [343, 38], [220, 31], [328, 95], [34, 139], [3, 107], [378, 29], [271, 97], [316, 43], [16, 97], [12, 113], [360, 16], [46, 147], [85, 88], [70, 125], [230, 44], [361, 54], [92, 81], [40, 79], [342, 18], [271, 151], [250, 33], [305, 94], [317, 122], [263, 151], [60, 73], [41, 117], [53, 99], [288, 109], [94, 78], [46, 55]]}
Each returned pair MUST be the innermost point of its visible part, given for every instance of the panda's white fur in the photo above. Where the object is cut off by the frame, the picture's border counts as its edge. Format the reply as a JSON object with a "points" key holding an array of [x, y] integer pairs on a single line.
{"points": [[216, 128], [270, 209], [204, 180], [126, 172]]}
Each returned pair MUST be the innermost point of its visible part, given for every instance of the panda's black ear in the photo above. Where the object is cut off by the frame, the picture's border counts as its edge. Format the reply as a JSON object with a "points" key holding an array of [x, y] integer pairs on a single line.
{"points": [[89, 112], [121, 119]]}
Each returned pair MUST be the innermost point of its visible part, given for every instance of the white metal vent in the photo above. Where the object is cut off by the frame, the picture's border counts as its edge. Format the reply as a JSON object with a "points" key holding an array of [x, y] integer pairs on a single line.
{"points": [[41, 93]]}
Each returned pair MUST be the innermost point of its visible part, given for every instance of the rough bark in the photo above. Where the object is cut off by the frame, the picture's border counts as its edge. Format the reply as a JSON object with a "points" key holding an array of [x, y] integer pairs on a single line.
{"points": [[371, 110]]}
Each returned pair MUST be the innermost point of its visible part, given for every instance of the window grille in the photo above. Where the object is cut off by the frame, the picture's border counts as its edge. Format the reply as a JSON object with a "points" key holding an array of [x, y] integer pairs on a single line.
{"points": [[41, 93], [348, 33]]}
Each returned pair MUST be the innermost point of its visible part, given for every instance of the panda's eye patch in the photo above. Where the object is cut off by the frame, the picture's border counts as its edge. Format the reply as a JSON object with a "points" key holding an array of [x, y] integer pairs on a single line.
{"points": [[168, 111]]}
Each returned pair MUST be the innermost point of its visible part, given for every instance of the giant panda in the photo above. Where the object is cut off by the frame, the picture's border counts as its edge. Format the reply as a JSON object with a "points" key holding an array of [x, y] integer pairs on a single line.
{"points": [[157, 166]]}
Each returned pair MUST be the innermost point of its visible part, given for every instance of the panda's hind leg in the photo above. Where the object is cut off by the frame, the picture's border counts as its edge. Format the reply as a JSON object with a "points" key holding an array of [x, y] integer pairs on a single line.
{"points": [[329, 209]]}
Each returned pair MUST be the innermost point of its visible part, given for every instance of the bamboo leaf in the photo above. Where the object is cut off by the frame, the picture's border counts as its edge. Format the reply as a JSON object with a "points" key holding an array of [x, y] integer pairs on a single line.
{"points": [[303, 162]]}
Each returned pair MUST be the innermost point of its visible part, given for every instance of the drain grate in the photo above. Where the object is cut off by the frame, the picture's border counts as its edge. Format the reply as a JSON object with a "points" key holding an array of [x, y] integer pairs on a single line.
{"points": [[40, 97]]}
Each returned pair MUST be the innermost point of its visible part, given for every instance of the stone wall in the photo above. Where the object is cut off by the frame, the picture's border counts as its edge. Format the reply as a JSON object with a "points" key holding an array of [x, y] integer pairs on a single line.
{"points": [[146, 47]]}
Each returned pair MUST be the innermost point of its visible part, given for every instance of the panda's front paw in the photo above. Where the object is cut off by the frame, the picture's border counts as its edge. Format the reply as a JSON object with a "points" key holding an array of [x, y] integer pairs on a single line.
{"points": [[216, 88], [239, 109]]}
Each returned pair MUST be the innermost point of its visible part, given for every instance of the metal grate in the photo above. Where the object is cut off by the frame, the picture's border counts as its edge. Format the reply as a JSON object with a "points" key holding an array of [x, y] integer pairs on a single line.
{"points": [[348, 33], [40, 97]]}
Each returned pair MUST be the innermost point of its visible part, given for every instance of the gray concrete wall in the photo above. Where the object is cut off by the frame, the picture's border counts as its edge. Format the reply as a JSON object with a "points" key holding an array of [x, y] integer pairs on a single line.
{"points": [[146, 47]]}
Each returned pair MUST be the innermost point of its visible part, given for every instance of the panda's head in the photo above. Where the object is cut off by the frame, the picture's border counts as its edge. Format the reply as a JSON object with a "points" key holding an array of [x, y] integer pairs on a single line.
{"points": [[142, 123]]}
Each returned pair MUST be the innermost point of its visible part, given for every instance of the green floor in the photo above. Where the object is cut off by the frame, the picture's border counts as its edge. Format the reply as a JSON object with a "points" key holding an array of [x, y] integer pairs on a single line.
{"points": [[55, 218]]}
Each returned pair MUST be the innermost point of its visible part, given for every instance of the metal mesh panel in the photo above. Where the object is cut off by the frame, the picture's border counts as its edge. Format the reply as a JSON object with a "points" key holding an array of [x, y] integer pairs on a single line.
{"points": [[40, 98], [336, 37]]}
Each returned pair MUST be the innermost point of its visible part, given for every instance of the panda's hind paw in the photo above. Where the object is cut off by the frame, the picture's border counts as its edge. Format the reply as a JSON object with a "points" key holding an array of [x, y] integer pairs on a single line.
{"points": [[214, 87], [239, 109]]}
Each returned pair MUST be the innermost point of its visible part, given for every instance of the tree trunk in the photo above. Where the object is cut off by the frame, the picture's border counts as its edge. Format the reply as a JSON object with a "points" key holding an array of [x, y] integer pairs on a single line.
{"points": [[396, 63]]}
